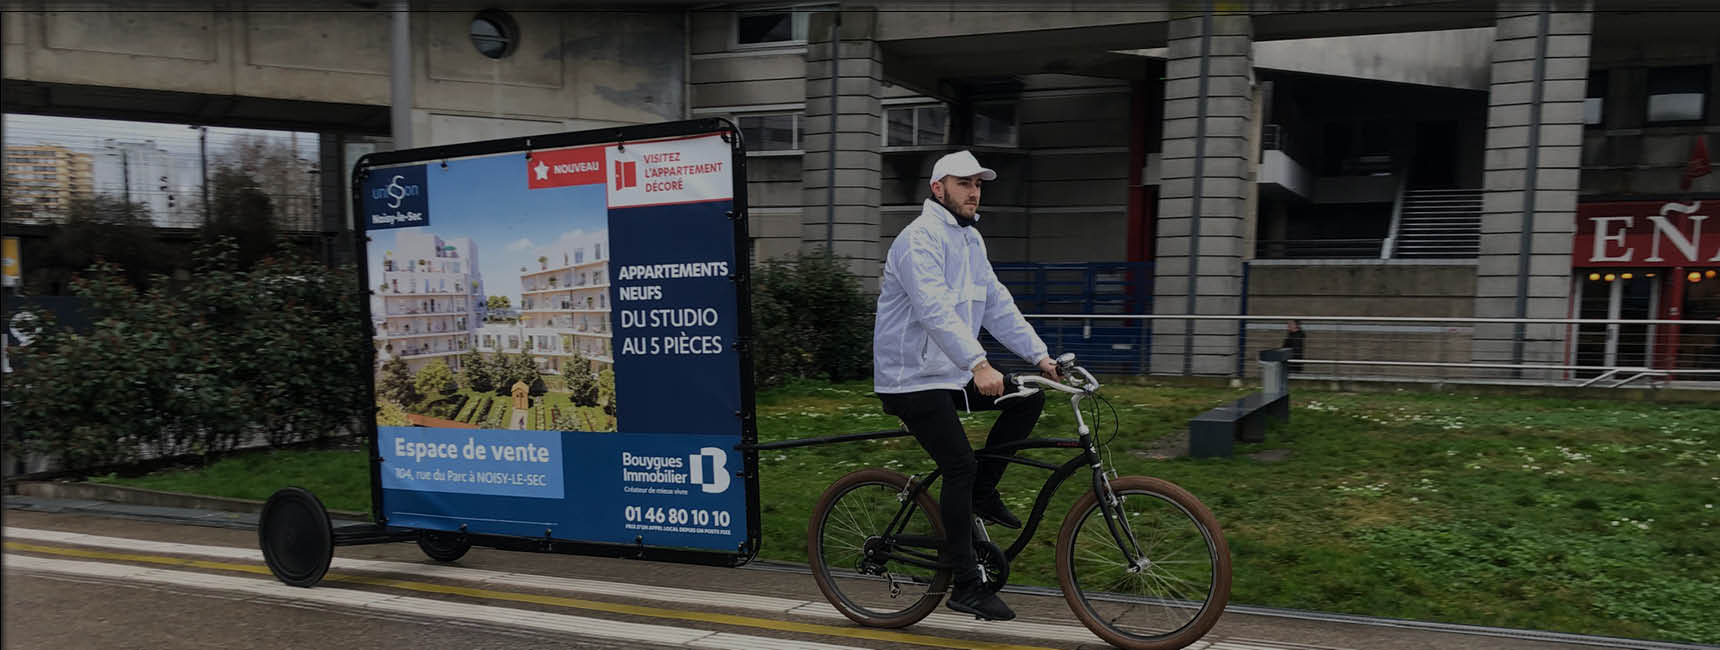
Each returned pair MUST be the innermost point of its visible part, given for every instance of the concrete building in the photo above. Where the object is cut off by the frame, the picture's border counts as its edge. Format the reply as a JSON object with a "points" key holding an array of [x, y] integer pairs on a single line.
{"points": [[42, 180], [1464, 158], [144, 173], [425, 306]]}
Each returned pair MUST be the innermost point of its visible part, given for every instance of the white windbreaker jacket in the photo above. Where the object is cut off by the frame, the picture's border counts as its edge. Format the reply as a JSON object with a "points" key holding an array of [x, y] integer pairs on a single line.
{"points": [[938, 290]]}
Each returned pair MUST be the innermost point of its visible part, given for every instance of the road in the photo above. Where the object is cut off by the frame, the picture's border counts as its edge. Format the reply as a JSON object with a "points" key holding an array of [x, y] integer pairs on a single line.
{"points": [[77, 580]]}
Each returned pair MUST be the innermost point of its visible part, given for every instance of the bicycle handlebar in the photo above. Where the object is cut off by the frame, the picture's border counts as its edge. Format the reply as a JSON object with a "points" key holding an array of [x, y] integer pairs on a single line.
{"points": [[1067, 365]]}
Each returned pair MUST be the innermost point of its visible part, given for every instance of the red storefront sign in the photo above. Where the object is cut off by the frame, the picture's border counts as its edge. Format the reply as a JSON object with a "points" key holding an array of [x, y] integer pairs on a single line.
{"points": [[1646, 234]]}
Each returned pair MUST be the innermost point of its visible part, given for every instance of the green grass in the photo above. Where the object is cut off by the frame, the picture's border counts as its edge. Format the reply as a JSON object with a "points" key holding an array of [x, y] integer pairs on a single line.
{"points": [[340, 477], [1595, 517]]}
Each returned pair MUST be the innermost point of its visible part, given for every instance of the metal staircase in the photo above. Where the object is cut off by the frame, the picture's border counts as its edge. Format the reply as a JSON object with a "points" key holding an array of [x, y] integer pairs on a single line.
{"points": [[1438, 224]]}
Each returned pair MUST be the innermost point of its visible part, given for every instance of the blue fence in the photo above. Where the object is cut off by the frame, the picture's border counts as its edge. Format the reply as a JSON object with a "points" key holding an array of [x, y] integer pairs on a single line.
{"points": [[1103, 344]]}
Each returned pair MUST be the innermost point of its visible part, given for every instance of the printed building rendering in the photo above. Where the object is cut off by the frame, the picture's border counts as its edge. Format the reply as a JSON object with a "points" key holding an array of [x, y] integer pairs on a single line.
{"points": [[428, 301]]}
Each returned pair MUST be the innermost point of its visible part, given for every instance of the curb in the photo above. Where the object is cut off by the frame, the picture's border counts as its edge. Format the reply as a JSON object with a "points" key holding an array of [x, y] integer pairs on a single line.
{"points": [[157, 498]]}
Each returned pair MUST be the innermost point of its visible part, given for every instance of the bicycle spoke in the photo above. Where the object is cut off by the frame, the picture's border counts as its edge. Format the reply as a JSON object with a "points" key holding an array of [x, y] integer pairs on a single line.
{"points": [[856, 518], [1166, 590]]}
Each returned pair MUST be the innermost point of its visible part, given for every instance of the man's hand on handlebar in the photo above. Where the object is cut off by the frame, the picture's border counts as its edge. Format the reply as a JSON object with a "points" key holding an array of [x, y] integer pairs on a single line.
{"points": [[1048, 367], [987, 379]]}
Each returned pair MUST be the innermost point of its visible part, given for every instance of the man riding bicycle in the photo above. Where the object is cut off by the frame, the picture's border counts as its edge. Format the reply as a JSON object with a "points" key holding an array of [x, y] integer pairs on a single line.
{"points": [[938, 290]]}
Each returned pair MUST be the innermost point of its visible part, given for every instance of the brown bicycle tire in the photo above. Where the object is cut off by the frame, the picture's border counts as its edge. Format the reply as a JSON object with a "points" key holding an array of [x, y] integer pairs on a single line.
{"points": [[1189, 632]]}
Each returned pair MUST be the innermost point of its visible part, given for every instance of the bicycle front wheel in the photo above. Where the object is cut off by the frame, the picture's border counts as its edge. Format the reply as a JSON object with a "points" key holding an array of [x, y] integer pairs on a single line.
{"points": [[1164, 596], [848, 547]]}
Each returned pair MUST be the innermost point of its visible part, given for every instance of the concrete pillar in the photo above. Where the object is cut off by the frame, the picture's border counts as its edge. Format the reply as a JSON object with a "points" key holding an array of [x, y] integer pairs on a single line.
{"points": [[1533, 164], [842, 182], [1204, 178], [334, 208]]}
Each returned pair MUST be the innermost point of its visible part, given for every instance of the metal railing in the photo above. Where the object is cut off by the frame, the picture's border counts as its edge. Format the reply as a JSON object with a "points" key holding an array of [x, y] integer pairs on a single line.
{"points": [[1438, 224], [1560, 352], [1278, 249]]}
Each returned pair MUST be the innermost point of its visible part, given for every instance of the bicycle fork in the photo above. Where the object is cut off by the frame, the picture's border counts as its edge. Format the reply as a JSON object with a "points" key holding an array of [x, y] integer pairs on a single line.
{"points": [[1117, 522], [1109, 504]]}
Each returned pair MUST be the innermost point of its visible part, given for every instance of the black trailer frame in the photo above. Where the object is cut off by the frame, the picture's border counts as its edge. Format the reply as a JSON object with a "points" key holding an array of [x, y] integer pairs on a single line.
{"points": [[294, 530]]}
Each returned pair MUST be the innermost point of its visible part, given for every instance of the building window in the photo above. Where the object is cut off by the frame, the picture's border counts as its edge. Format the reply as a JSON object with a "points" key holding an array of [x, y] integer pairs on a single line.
{"points": [[994, 124], [494, 33], [779, 132], [597, 251], [908, 126], [1594, 101], [770, 27], [1677, 94]]}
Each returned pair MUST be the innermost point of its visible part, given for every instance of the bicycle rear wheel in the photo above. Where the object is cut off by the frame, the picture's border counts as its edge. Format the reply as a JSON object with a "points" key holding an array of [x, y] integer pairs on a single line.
{"points": [[844, 542], [1173, 594]]}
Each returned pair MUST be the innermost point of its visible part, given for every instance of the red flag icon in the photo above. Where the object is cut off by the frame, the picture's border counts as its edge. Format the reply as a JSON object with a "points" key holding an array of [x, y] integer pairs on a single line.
{"points": [[1699, 164]]}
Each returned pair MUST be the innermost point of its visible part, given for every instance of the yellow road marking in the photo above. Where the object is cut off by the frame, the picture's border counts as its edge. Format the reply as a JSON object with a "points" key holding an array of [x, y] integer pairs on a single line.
{"points": [[540, 599]]}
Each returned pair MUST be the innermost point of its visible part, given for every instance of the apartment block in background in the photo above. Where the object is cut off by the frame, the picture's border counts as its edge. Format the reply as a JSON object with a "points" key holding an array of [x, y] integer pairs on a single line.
{"points": [[564, 305], [427, 302], [43, 179]]}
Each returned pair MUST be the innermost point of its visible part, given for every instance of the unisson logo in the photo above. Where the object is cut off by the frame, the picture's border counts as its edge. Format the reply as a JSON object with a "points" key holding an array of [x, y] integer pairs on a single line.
{"points": [[707, 469], [395, 192], [396, 198]]}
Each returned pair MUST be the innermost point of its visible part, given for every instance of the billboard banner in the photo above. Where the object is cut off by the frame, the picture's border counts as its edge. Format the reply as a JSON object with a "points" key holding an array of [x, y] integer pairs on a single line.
{"points": [[1645, 234], [560, 351]]}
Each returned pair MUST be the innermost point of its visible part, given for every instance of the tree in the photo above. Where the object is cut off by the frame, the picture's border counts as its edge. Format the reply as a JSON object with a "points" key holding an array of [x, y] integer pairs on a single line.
{"points": [[99, 229], [476, 373], [240, 210], [434, 380], [281, 174], [397, 385], [520, 368], [496, 303], [606, 390]]}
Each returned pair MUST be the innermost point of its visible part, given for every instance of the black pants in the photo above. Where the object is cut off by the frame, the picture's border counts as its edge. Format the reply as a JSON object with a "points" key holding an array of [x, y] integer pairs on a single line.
{"points": [[931, 417]]}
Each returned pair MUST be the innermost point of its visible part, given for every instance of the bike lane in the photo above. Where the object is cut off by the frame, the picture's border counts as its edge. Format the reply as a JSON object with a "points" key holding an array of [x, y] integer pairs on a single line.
{"points": [[763, 601]]}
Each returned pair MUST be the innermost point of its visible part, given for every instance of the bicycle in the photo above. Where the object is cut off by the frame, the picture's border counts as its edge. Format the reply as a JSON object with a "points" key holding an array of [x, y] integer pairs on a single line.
{"points": [[1132, 547]]}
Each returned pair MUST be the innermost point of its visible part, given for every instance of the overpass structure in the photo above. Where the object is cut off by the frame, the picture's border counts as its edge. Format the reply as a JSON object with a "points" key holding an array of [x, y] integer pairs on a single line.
{"points": [[1211, 138]]}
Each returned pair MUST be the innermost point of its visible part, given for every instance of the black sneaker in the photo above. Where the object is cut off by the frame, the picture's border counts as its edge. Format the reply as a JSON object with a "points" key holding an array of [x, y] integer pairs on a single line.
{"points": [[990, 508], [974, 598]]}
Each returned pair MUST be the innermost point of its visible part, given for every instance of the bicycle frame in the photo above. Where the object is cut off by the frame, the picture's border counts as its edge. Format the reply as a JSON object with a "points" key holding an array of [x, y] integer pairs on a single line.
{"points": [[1089, 457]]}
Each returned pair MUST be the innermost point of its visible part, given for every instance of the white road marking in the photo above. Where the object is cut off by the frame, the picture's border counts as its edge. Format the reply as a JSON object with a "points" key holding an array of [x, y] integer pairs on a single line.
{"points": [[416, 607], [673, 595]]}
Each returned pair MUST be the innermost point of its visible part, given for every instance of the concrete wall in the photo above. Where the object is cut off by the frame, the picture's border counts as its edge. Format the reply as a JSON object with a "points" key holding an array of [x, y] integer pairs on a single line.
{"points": [[1625, 154], [969, 18], [1361, 288], [1452, 58], [728, 80], [571, 70], [1061, 194], [1364, 288]]}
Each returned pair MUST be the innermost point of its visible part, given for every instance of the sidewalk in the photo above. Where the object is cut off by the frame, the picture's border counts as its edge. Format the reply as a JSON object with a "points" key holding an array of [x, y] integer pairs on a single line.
{"points": [[1257, 625]]}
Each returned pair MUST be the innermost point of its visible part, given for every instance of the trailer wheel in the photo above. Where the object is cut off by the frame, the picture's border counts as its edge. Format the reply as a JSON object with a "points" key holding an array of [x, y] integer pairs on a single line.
{"points": [[296, 536]]}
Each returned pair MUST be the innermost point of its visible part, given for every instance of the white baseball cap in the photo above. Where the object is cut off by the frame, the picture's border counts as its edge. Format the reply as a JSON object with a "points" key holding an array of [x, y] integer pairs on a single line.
{"points": [[960, 163]]}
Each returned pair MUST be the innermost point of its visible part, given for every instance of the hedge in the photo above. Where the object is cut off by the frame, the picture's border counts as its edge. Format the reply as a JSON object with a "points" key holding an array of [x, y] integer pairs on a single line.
{"points": [[229, 357]]}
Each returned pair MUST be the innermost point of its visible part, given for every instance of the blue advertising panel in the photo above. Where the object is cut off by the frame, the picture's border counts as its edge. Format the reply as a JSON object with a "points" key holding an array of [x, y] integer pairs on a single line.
{"points": [[560, 353]]}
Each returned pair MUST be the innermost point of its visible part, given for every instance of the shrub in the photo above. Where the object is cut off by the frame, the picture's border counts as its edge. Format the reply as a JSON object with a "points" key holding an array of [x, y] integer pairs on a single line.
{"points": [[811, 318], [435, 379], [466, 409], [278, 352]]}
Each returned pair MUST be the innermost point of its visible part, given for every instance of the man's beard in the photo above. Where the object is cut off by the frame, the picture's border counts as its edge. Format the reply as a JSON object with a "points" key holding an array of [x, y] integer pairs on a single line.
{"points": [[955, 211]]}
